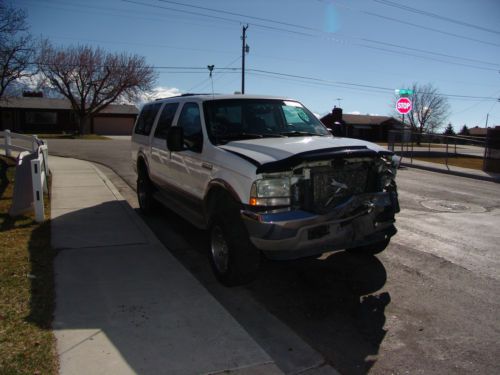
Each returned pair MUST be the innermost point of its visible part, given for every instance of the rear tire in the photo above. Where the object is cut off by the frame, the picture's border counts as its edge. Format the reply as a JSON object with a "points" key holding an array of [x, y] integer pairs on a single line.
{"points": [[145, 190], [234, 259], [371, 249]]}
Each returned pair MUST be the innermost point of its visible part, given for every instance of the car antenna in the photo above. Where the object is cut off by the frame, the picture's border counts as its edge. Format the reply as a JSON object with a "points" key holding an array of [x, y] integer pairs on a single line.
{"points": [[210, 69]]}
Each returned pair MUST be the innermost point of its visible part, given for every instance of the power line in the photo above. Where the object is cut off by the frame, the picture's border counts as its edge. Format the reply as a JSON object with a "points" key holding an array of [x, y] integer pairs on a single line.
{"points": [[406, 23], [315, 80], [318, 31], [301, 33], [434, 15], [319, 80], [379, 49], [239, 15], [218, 75], [215, 17], [434, 53]]}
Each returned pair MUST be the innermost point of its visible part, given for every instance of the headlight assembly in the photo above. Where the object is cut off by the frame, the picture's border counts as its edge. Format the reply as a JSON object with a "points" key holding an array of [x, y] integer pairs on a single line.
{"points": [[270, 192]]}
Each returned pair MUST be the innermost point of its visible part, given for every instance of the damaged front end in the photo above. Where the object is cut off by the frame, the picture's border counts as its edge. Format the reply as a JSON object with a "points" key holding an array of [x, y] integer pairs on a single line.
{"points": [[323, 202]]}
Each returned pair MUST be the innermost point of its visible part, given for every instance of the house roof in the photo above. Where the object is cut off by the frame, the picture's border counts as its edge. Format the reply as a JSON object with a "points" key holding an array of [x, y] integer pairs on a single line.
{"points": [[61, 104], [363, 120]]}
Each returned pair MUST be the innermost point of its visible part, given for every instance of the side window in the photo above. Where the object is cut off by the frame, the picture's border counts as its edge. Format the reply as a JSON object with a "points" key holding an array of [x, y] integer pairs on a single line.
{"points": [[189, 121], [165, 120], [147, 118]]}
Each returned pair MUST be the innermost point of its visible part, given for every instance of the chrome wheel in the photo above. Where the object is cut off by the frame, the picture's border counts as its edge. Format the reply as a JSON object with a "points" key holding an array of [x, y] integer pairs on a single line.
{"points": [[219, 249]]}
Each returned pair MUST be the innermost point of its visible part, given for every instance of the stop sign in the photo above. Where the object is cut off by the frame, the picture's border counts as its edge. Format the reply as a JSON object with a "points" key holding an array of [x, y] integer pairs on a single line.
{"points": [[403, 105]]}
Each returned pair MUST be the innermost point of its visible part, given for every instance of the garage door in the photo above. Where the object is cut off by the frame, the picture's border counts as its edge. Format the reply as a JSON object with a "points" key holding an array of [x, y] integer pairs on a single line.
{"points": [[113, 125]]}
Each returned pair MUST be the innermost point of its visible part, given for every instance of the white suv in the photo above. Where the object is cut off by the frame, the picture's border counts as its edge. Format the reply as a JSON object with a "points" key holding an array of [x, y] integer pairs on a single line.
{"points": [[264, 176]]}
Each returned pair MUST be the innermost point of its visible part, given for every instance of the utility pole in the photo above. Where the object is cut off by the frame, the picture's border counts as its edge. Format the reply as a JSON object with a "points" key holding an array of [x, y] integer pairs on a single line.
{"points": [[244, 49]]}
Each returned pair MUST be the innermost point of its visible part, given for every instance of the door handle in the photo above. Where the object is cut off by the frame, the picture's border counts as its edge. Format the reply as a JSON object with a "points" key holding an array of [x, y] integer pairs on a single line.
{"points": [[207, 166]]}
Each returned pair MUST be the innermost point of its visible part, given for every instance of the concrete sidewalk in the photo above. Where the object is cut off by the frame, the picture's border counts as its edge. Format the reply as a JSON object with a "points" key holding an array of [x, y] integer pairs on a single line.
{"points": [[451, 170], [124, 304]]}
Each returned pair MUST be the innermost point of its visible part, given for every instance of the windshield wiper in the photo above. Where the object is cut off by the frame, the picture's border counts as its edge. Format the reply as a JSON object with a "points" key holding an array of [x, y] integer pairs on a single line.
{"points": [[297, 133], [249, 136], [240, 136]]}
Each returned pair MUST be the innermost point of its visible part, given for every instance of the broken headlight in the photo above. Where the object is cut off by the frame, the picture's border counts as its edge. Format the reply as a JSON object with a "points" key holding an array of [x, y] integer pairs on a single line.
{"points": [[270, 192], [388, 166]]}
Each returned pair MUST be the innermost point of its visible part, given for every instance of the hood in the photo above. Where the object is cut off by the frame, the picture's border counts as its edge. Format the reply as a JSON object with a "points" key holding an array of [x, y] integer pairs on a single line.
{"points": [[271, 154]]}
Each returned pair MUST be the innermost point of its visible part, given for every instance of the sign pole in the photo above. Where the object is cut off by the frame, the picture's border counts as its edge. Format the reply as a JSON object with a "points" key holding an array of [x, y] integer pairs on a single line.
{"points": [[402, 132]]}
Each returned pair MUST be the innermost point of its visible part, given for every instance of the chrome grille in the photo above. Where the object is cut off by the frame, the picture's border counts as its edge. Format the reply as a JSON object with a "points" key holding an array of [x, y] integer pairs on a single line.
{"points": [[332, 185]]}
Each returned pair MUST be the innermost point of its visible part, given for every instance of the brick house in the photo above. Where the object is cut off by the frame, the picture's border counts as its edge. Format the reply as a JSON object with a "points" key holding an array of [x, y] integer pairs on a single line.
{"points": [[367, 127], [46, 115]]}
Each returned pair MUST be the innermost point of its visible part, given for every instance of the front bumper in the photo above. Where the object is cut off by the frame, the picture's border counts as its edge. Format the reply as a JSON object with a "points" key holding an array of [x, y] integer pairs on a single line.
{"points": [[361, 220]]}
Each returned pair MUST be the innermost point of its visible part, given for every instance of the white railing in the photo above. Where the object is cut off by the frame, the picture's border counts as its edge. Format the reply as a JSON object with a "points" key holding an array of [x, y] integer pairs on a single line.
{"points": [[8, 146], [39, 165], [39, 173]]}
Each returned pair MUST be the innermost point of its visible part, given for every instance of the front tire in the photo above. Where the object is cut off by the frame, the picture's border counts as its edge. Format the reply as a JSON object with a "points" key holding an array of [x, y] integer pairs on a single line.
{"points": [[234, 259]]}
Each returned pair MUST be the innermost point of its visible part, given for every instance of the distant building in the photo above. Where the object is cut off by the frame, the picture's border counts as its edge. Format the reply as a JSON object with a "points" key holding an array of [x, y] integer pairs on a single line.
{"points": [[40, 115], [367, 127], [476, 131]]}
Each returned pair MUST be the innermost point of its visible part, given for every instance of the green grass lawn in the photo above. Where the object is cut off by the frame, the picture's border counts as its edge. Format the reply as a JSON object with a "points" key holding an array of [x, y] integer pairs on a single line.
{"points": [[457, 161], [27, 344]]}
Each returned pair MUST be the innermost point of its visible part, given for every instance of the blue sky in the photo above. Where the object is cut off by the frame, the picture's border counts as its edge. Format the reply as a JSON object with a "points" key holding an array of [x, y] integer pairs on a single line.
{"points": [[313, 50]]}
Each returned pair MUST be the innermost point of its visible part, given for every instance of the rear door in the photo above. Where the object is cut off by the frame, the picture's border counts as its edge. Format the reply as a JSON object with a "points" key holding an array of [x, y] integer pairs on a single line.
{"points": [[160, 169], [192, 173], [142, 131]]}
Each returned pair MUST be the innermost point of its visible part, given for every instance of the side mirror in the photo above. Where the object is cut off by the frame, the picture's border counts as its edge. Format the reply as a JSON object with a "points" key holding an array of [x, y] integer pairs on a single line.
{"points": [[175, 138]]}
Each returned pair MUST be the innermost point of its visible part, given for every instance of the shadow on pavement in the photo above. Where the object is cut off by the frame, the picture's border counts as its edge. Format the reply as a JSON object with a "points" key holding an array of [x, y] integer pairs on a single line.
{"points": [[125, 305], [331, 303]]}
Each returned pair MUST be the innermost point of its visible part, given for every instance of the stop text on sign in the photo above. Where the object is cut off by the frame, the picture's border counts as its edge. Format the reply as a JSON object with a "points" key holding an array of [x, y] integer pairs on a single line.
{"points": [[403, 105]]}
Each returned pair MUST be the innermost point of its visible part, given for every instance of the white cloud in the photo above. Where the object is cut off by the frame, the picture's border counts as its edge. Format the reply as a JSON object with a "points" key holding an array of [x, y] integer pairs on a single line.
{"points": [[157, 93], [354, 113], [34, 83]]}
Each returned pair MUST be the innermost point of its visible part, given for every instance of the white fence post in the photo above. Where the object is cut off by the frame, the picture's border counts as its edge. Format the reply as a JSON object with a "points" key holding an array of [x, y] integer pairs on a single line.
{"points": [[8, 143], [34, 143], [37, 177], [44, 154]]}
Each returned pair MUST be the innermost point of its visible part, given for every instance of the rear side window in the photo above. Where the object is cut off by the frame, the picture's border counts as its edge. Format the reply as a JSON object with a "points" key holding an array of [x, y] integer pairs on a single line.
{"points": [[165, 120], [147, 118]]}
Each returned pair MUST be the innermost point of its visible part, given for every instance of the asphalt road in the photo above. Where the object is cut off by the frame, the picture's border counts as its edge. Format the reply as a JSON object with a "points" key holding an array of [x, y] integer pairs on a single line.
{"points": [[427, 305]]}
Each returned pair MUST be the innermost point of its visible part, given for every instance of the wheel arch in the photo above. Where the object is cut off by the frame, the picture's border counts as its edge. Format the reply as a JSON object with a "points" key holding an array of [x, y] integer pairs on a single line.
{"points": [[142, 163], [218, 189]]}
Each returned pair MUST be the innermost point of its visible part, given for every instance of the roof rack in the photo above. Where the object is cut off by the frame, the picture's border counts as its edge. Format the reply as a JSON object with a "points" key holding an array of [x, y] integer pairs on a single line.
{"points": [[187, 94]]}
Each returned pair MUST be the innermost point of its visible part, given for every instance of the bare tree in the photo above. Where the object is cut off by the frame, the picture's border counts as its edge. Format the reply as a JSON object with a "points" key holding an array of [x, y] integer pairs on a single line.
{"points": [[430, 109], [91, 78], [16, 46]]}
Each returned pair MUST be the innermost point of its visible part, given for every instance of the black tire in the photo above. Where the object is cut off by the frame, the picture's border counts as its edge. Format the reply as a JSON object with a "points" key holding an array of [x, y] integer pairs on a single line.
{"points": [[234, 259], [145, 190], [372, 249]]}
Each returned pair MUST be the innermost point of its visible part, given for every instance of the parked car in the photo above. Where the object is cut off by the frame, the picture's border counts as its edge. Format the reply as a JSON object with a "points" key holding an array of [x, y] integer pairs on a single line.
{"points": [[265, 177]]}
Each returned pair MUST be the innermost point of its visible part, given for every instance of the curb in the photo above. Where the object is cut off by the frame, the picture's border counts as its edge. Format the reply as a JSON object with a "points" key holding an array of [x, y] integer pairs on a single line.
{"points": [[453, 173]]}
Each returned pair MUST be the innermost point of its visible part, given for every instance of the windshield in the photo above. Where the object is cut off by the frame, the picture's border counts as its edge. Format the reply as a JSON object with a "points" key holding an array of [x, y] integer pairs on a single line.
{"points": [[233, 119]]}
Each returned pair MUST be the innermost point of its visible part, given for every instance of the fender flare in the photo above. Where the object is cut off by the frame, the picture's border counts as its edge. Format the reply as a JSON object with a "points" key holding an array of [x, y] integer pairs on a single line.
{"points": [[218, 186]]}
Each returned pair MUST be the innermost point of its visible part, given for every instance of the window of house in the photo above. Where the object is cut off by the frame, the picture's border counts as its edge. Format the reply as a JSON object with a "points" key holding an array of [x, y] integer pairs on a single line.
{"points": [[40, 118]]}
